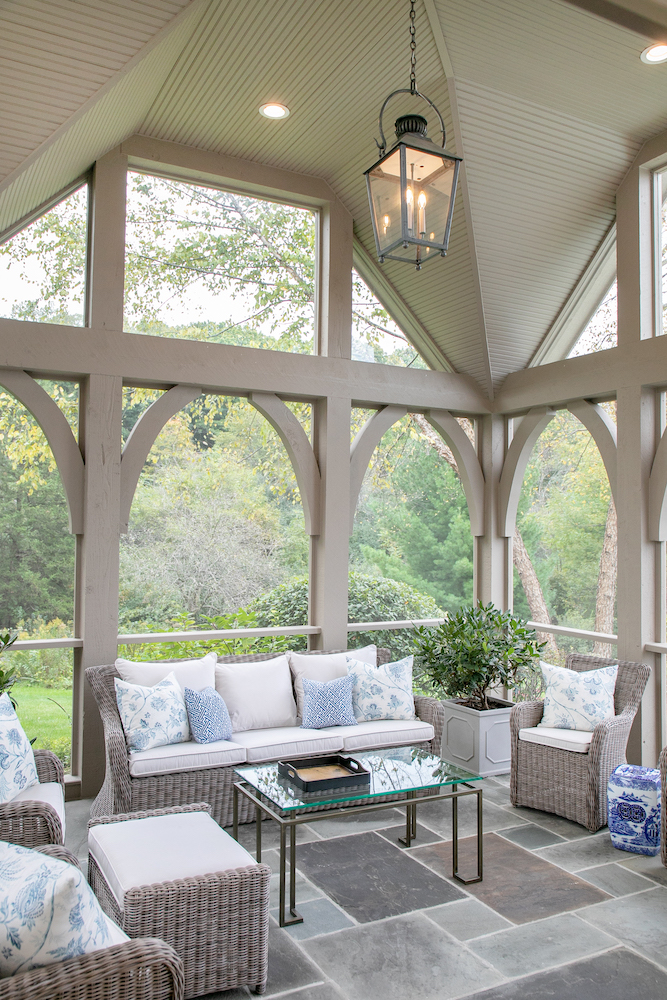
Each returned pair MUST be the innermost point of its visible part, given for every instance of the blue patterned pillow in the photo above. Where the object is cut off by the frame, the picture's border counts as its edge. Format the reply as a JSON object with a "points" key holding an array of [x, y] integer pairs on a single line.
{"points": [[208, 716], [17, 761], [152, 716], [577, 700], [382, 692], [327, 703]]}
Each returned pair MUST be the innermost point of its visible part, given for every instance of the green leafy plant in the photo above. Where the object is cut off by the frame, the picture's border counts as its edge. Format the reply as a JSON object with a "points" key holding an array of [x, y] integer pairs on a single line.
{"points": [[7, 677], [474, 649]]}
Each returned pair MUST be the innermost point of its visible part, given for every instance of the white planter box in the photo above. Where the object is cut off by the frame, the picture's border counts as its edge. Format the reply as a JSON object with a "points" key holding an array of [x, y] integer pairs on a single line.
{"points": [[477, 741]]}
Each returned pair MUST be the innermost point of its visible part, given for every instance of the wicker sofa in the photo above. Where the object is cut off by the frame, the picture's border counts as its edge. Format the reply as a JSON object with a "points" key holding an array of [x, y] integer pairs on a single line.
{"points": [[143, 969], [191, 781], [36, 816]]}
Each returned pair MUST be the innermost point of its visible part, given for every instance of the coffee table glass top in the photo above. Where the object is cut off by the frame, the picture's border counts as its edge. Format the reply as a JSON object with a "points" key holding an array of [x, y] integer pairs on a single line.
{"points": [[402, 769]]}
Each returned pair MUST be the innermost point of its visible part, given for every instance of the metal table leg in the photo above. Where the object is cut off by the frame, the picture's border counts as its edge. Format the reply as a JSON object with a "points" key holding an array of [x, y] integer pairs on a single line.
{"points": [[295, 917], [258, 834], [410, 820], [455, 840]]}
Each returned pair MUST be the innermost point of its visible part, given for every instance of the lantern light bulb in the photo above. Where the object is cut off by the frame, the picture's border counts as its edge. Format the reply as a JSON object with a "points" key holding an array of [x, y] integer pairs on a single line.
{"points": [[421, 200]]}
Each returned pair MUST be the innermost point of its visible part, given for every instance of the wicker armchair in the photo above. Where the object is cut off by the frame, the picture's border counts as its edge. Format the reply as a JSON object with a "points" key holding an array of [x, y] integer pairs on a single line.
{"points": [[662, 764], [123, 793], [143, 969], [30, 823], [574, 785]]}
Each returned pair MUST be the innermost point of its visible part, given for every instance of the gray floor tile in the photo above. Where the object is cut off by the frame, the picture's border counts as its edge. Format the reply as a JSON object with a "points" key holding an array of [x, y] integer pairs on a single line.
{"points": [[344, 826], [407, 956], [437, 816], [424, 835], [320, 916], [544, 943], [578, 854], [270, 836], [304, 889], [616, 975], [289, 968], [496, 793], [467, 918], [652, 868], [77, 814], [638, 921], [557, 824], [323, 991], [615, 879], [531, 837]]}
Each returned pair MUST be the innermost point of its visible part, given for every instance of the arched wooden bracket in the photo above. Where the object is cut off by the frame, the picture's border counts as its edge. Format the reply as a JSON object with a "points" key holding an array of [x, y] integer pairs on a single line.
{"points": [[58, 433], [363, 447], [514, 467], [470, 471], [657, 494], [603, 431], [300, 452], [142, 438]]}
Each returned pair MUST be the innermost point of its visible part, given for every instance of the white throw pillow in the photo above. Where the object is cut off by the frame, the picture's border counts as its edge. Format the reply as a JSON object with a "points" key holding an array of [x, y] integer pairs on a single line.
{"points": [[152, 716], [324, 667], [382, 692], [577, 700], [49, 912], [17, 761], [195, 674], [257, 694]]}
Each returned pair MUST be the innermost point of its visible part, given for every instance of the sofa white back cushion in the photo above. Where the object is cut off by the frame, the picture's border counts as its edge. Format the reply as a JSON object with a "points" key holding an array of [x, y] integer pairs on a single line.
{"points": [[258, 695], [49, 912], [195, 674], [324, 667], [17, 761]]}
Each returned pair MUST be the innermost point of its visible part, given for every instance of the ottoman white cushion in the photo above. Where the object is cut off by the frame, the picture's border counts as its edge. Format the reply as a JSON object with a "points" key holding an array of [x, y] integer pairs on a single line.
{"points": [[288, 741], [185, 757], [562, 739], [140, 852], [51, 792]]}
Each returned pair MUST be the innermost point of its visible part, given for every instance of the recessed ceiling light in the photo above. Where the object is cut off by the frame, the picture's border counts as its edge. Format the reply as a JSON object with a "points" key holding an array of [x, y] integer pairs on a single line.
{"points": [[274, 110], [655, 54]]}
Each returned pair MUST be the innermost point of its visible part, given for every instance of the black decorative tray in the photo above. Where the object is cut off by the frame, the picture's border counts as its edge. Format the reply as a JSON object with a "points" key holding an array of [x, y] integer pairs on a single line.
{"points": [[315, 774]]}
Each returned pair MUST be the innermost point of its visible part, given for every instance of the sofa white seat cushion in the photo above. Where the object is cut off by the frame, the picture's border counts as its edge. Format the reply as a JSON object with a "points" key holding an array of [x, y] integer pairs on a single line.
{"points": [[561, 739], [51, 793], [158, 849], [382, 733], [185, 757], [289, 741]]}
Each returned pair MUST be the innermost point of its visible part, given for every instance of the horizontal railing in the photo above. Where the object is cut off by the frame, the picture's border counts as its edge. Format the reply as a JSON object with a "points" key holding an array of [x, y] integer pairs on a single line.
{"points": [[224, 633], [577, 633]]}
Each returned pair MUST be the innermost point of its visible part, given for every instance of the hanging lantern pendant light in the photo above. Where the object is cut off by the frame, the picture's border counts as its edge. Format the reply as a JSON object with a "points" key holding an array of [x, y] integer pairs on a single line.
{"points": [[412, 187]]}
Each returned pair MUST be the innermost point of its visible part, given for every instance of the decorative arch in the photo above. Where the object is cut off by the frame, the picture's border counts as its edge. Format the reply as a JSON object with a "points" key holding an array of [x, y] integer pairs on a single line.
{"points": [[300, 452], [142, 438], [363, 446], [58, 433], [657, 494], [603, 431], [514, 467], [470, 471]]}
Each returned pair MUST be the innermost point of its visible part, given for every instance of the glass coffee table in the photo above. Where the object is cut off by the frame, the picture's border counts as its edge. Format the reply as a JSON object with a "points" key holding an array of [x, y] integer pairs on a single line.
{"points": [[400, 776]]}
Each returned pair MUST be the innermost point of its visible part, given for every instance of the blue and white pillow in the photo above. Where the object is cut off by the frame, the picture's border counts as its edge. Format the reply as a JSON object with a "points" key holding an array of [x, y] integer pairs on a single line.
{"points": [[152, 716], [575, 700], [17, 761], [208, 716], [382, 692], [48, 912], [327, 703]]}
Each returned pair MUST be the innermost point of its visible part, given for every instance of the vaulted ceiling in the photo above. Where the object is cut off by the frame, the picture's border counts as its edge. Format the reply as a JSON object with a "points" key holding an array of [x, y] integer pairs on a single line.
{"points": [[546, 100]]}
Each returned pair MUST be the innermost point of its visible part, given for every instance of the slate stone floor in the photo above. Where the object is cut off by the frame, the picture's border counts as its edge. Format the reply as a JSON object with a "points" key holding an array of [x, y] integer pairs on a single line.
{"points": [[560, 912]]}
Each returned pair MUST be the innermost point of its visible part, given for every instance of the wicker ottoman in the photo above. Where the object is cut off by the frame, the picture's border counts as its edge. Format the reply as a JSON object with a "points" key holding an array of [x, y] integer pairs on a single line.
{"points": [[176, 875]]}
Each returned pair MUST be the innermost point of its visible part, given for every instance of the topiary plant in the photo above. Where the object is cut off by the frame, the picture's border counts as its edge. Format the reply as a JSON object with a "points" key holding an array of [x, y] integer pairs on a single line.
{"points": [[476, 648]]}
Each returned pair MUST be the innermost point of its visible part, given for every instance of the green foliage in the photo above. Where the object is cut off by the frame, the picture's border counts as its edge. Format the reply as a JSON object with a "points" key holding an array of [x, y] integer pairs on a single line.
{"points": [[199, 647], [474, 649], [370, 599], [46, 716], [7, 677], [50, 668]]}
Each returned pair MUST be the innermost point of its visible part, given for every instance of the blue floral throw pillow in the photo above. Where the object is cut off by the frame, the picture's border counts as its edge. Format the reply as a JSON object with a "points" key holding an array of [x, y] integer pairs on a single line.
{"points": [[48, 912], [152, 716], [17, 761], [327, 703], [575, 700], [208, 716], [382, 692]]}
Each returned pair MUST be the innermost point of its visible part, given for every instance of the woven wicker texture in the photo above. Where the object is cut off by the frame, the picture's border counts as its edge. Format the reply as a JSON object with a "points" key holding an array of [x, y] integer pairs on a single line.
{"points": [[662, 764], [121, 793], [574, 785], [218, 923], [31, 823]]}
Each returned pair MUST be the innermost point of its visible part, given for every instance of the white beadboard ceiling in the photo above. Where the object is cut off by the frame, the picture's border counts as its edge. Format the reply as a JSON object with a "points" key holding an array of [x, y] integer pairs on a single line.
{"points": [[547, 102]]}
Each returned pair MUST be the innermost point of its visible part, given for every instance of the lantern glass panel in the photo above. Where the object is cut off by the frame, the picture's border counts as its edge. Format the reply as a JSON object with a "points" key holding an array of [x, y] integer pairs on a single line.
{"points": [[429, 182], [385, 187]]}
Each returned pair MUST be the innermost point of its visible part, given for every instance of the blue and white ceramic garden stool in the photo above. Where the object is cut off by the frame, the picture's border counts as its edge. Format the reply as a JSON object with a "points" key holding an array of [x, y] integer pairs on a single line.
{"points": [[633, 809]]}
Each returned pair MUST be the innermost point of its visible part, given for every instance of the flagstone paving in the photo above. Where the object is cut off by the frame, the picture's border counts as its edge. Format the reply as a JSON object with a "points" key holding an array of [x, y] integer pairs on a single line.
{"points": [[560, 912]]}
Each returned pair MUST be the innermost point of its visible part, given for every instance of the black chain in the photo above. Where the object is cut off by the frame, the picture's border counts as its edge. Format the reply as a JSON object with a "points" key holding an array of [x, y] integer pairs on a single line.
{"points": [[413, 50]]}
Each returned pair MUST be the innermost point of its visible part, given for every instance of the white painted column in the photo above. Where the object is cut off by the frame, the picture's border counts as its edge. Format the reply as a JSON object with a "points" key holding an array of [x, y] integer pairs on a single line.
{"points": [[329, 550], [100, 418], [493, 579], [334, 334]]}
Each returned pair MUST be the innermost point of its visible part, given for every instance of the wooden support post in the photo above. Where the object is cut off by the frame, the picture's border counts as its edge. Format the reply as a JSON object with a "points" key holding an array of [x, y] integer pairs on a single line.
{"points": [[329, 550], [492, 553]]}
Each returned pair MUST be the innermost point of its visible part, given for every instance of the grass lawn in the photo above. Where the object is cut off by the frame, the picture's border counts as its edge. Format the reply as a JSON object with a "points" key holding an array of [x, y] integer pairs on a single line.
{"points": [[46, 713]]}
